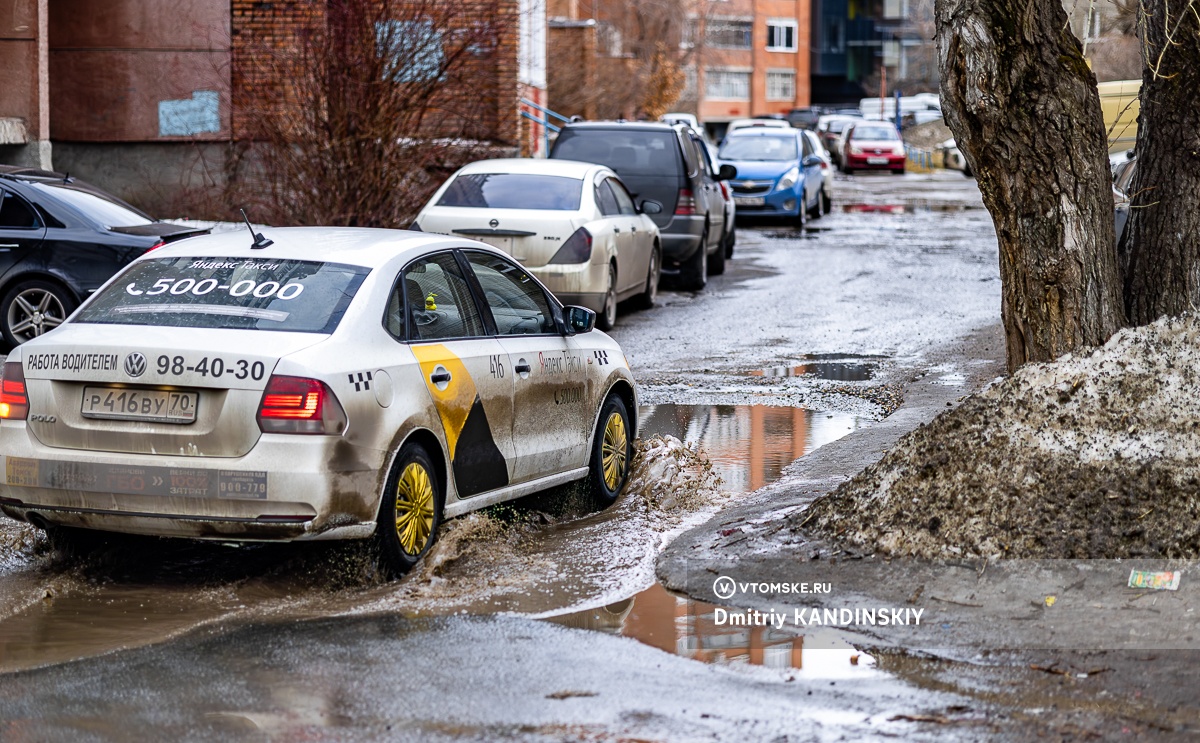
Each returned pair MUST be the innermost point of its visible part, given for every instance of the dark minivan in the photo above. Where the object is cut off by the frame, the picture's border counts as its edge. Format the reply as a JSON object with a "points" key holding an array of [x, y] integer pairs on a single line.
{"points": [[660, 162]]}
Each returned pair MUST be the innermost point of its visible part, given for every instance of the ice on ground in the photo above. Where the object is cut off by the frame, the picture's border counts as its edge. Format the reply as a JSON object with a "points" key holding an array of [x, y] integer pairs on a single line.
{"points": [[1089, 456]]}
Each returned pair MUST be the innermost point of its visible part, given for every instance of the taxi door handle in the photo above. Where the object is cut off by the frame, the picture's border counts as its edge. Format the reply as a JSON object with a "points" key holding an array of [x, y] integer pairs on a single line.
{"points": [[523, 368], [616, 229], [440, 377]]}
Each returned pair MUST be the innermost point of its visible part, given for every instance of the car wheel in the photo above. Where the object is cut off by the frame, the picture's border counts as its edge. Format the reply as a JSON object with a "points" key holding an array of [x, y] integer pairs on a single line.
{"points": [[693, 275], [730, 241], [899, 171], [32, 308], [612, 452], [716, 261], [608, 313], [826, 202], [411, 510], [815, 211], [801, 212], [649, 296], [848, 171], [73, 542]]}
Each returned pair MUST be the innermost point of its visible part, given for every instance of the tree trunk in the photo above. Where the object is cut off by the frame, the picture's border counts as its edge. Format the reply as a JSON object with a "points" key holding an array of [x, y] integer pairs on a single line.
{"points": [[1023, 107], [1160, 254]]}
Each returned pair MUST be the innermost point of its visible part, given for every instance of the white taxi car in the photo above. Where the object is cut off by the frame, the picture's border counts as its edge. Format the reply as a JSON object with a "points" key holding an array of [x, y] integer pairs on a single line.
{"points": [[571, 224], [335, 383]]}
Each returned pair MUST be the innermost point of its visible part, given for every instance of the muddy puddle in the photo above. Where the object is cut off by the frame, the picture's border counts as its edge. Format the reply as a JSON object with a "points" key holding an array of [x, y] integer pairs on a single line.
{"points": [[830, 367], [541, 556], [691, 629]]}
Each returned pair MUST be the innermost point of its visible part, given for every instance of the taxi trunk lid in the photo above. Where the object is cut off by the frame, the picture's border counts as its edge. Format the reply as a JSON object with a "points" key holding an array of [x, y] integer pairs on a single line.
{"points": [[152, 390]]}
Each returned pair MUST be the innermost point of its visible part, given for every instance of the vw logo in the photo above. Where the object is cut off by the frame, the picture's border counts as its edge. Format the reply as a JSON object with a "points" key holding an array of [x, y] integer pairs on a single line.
{"points": [[494, 223], [135, 364]]}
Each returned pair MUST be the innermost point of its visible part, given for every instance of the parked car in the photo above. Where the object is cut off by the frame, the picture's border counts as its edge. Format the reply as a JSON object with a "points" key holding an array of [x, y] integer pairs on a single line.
{"points": [[571, 224], [662, 163], [829, 129], [953, 158], [805, 118], [708, 155], [1122, 183], [60, 239], [825, 204], [681, 118], [779, 174], [737, 124], [318, 383], [872, 145]]}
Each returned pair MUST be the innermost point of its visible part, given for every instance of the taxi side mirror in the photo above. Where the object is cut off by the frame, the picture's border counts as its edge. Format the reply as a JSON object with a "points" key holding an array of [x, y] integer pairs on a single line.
{"points": [[579, 319]]}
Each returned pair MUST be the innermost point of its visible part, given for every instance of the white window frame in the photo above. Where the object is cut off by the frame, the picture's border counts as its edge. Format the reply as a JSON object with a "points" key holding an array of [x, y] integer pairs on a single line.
{"points": [[790, 75], [783, 23], [711, 73]]}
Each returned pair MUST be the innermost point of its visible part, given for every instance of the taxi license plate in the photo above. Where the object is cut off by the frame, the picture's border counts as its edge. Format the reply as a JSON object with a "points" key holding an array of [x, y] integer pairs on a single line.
{"points": [[877, 161], [125, 404], [749, 201]]}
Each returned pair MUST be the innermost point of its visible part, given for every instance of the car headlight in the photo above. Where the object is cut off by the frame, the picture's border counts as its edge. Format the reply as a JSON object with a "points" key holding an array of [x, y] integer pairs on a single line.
{"points": [[788, 180], [855, 150]]}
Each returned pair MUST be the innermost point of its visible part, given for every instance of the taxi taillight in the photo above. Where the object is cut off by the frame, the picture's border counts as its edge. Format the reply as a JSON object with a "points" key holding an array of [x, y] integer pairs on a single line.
{"points": [[14, 403], [300, 405]]}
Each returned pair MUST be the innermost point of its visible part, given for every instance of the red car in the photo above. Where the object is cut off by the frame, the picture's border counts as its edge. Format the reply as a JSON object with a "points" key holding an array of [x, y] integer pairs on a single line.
{"points": [[872, 145]]}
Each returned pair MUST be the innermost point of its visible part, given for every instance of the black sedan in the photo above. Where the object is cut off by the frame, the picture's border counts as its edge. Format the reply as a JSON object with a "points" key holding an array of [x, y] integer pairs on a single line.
{"points": [[60, 239]]}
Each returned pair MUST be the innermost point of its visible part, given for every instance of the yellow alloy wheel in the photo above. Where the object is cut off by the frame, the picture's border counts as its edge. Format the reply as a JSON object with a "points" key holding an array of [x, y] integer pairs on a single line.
{"points": [[613, 450], [414, 508]]}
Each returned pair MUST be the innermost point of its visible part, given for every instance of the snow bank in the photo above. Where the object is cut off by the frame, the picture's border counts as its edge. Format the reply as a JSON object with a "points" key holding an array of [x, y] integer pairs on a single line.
{"points": [[1096, 456]]}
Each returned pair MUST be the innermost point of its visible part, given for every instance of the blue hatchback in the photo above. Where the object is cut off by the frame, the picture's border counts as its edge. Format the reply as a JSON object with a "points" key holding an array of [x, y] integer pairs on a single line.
{"points": [[777, 173]]}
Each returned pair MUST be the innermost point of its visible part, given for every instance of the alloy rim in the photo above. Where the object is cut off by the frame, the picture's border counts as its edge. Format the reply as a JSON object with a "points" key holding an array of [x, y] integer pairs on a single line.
{"points": [[613, 450], [414, 509], [34, 312]]}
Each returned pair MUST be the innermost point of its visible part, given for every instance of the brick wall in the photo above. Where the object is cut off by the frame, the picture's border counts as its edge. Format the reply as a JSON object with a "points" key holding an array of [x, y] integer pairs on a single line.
{"points": [[267, 34]]}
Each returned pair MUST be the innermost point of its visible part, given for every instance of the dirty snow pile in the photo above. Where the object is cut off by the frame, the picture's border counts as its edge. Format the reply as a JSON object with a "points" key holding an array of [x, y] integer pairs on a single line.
{"points": [[1092, 457]]}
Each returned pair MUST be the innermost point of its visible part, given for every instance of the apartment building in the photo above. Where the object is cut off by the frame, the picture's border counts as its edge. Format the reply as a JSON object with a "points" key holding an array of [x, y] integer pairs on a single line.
{"points": [[753, 58]]}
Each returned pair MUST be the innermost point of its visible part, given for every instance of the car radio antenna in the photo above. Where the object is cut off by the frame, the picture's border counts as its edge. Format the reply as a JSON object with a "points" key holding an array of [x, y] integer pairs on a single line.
{"points": [[260, 242]]}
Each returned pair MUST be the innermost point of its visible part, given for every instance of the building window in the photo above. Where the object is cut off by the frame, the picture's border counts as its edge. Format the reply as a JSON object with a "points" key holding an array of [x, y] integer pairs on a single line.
{"points": [[727, 84], [781, 85], [781, 35], [725, 34], [411, 50]]}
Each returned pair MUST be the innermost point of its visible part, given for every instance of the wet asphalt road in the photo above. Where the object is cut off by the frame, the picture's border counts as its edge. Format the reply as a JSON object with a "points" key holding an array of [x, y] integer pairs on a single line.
{"points": [[900, 269]]}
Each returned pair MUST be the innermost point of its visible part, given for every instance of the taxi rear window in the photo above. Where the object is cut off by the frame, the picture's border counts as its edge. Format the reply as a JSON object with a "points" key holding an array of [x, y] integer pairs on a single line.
{"points": [[235, 293]]}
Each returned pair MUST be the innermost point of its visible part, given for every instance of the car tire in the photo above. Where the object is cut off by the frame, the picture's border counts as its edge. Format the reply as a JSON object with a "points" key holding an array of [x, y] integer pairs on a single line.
{"points": [[32, 308], [899, 171], [816, 212], [410, 511], [848, 171], [607, 317], [649, 296], [693, 274], [73, 542], [716, 261], [730, 241], [826, 202], [612, 452], [802, 212]]}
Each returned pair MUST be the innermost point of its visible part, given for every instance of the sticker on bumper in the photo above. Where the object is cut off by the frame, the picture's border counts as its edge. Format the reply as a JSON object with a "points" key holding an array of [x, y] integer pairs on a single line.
{"points": [[131, 480]]}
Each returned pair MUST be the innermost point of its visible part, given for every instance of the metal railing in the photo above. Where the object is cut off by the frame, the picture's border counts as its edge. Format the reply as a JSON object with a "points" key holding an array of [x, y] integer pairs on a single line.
{"points": [[544, 119], [919, 160]]}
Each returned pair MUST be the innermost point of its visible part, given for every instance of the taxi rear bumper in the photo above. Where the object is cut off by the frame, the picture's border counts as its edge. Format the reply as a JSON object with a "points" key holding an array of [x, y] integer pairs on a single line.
{"points": [[286, 488]]}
